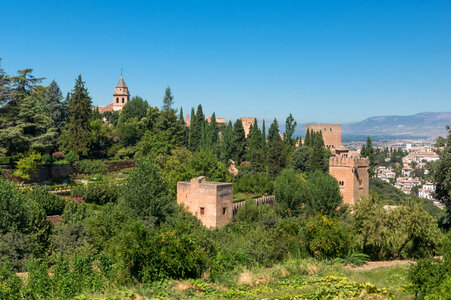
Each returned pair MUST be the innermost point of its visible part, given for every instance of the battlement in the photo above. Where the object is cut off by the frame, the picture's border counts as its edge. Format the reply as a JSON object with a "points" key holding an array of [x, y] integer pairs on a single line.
{"points": [[337, 161]]}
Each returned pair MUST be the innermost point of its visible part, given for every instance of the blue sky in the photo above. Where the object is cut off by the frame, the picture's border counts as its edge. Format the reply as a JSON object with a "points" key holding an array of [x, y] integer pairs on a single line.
{"points": [[323, 61]]}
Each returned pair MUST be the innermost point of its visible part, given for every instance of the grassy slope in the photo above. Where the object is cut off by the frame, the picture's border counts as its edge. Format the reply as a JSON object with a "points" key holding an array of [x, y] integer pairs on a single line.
{"points": [[297, 279]]}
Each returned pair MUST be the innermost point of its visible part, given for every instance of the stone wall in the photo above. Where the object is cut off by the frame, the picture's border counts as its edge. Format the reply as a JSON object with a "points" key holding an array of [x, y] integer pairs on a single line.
{"points": [[210, 202], [247, 122]]}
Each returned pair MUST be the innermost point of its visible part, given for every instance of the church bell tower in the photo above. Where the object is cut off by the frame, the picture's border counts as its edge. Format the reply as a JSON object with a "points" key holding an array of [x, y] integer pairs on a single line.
{"points": [[121, 95]]}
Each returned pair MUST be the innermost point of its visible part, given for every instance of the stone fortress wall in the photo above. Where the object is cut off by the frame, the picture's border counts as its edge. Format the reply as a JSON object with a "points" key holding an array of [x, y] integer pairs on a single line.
{"points": [[331, 133]]}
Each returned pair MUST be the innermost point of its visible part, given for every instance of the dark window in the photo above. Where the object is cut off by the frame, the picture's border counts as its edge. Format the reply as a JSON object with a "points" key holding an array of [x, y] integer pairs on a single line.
{"points": [[123, 101], [117, 100], [224, 210], [202, 210]]}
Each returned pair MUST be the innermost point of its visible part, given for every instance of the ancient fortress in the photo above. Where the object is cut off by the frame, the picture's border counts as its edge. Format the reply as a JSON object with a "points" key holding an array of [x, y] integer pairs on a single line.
{"points": [[350, 170]]}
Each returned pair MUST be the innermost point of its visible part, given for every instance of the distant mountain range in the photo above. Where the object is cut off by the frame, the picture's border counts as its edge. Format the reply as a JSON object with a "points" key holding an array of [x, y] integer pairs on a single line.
{"points": [[425, 125], [428, 124]]}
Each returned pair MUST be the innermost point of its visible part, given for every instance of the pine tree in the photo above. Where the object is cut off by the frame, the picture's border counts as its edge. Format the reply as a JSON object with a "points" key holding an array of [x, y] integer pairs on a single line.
{"points": [[57, 108], [78, 136], [290, 126], [240, 142], [167, 120], [276, 158], [168, 100]]}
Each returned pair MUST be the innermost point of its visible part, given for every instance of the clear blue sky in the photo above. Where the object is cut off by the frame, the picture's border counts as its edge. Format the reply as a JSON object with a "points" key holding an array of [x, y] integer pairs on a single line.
{"points": [[324, 61]]}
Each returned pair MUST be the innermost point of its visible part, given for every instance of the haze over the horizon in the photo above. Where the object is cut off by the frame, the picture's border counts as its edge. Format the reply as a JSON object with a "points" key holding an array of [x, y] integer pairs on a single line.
{"points": [[330, 61]]}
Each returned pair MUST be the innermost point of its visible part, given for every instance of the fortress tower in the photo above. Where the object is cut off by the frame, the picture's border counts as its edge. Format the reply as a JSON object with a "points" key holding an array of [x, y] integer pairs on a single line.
{"points": [[348, 168], [331, 133], [121, 94]]}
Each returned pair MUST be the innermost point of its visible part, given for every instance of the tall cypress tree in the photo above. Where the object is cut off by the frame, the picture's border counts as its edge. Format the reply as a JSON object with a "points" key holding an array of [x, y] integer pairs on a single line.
{"points": [[190, 132], [290, 126], [182, 128], [307, 138], [318, 158], [256, 153], [227, 143], [276, 159], [240, 141], [196, 129], [78, 134]]}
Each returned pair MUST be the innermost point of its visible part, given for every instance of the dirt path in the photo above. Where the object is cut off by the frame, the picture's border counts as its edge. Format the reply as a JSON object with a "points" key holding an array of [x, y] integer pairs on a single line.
{"points": [[377, 264]]}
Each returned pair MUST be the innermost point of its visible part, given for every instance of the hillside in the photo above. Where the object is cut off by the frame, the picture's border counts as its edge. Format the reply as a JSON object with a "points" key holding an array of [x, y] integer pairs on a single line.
{"points": [[429, 124]]}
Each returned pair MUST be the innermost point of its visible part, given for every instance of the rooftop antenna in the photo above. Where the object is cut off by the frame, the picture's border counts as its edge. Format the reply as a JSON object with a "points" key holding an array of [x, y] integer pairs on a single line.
{"points": [[121, 72]]}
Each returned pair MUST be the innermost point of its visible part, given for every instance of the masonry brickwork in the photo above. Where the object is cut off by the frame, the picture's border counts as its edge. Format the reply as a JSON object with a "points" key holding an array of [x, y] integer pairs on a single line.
{"points": [[210, 202], [121, 96], [331, 133], [247, 122]]}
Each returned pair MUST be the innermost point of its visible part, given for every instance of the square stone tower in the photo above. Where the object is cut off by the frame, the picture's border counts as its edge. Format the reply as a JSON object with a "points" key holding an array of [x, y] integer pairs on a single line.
{"points": [[331, 133], [210, 202]]}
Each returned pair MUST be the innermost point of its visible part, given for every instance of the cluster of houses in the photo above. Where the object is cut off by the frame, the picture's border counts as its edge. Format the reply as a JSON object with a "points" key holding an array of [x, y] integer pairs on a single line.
{"points": [[417, 158]]}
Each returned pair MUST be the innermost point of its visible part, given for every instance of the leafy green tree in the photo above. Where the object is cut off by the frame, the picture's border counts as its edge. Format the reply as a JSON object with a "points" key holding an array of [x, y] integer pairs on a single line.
{"points": [[102, 138], [4, 86], [176, 166], [130, 132], [205, 163], [240, 142], [325, 194], [167, 120], [292, 193], [22, 85], [290, 126], [154, 144], [276, 155], [78, 132], [135, 108], [210, 136], [300, 159], [13, 209], [112, 117], [147, 194], [441, 174]]}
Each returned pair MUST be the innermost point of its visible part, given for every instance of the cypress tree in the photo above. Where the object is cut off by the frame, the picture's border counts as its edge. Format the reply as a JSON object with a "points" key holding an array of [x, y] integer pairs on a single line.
{"points": [[227, 143], [78, 135], [190, 132], [318, 157], [290, 126], [182, 129], [276, 159], [240, 141], [256, 153], [196, 129], [307, 138]]}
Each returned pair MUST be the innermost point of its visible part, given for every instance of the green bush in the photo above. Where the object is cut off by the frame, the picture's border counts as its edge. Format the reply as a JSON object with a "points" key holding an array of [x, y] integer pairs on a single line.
{"points": [[72, 157], [100, 194], [10, 283], [75, 211], [252, 182], [51, 203], [6, 160], [39, 284], [16, 248], [292, 193], [28, 165], [88, 166], [327, 237], [47, 159], [13, 209]]}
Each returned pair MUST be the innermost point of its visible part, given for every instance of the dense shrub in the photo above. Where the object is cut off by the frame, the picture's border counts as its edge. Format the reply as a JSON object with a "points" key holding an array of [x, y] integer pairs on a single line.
{"points": [[10, 283], [16, 248], [252, 182], [325, 194], [47, 159], [88, 166], [292, 193], [251, 212], [159, 254], [39, 284], [51, 203], [97, 193], [75, 212], [28, 165], [13, 210], [327, 237], [72, 157]]}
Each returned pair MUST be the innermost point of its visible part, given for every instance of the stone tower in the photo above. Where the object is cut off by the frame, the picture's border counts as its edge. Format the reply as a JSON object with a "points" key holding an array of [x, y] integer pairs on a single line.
{"points": [[121, 95], [331, 133]]}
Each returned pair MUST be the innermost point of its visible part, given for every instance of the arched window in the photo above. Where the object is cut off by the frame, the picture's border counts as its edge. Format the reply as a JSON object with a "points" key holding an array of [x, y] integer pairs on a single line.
{"points": [[123, 101], [117, 100]]}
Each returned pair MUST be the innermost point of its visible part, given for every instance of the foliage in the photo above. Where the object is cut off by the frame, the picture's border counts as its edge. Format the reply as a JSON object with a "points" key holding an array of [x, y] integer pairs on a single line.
{"points": [[327, 237], [250, 212], [147, 194], [325, 194], [13, 210], [87, 166], [51, 203], [292, 193], [75, 212], [10, 283], [155, 144], [28, 165], [205, 163], [276, 151], [252, 182], [77, 136], [100, 194], [300, 159], [16, 248]]}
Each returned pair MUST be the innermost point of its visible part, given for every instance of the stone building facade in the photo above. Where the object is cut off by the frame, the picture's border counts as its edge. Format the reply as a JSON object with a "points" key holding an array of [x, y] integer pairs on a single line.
{"points": [[121, 96], [210, 202], [348, 168], [247, 122], [331, 133]]}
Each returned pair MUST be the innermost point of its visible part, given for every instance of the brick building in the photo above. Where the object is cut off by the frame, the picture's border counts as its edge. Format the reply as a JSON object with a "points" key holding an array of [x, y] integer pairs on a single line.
{"points": [[211, 202], [121, 96], [331, 133]]}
